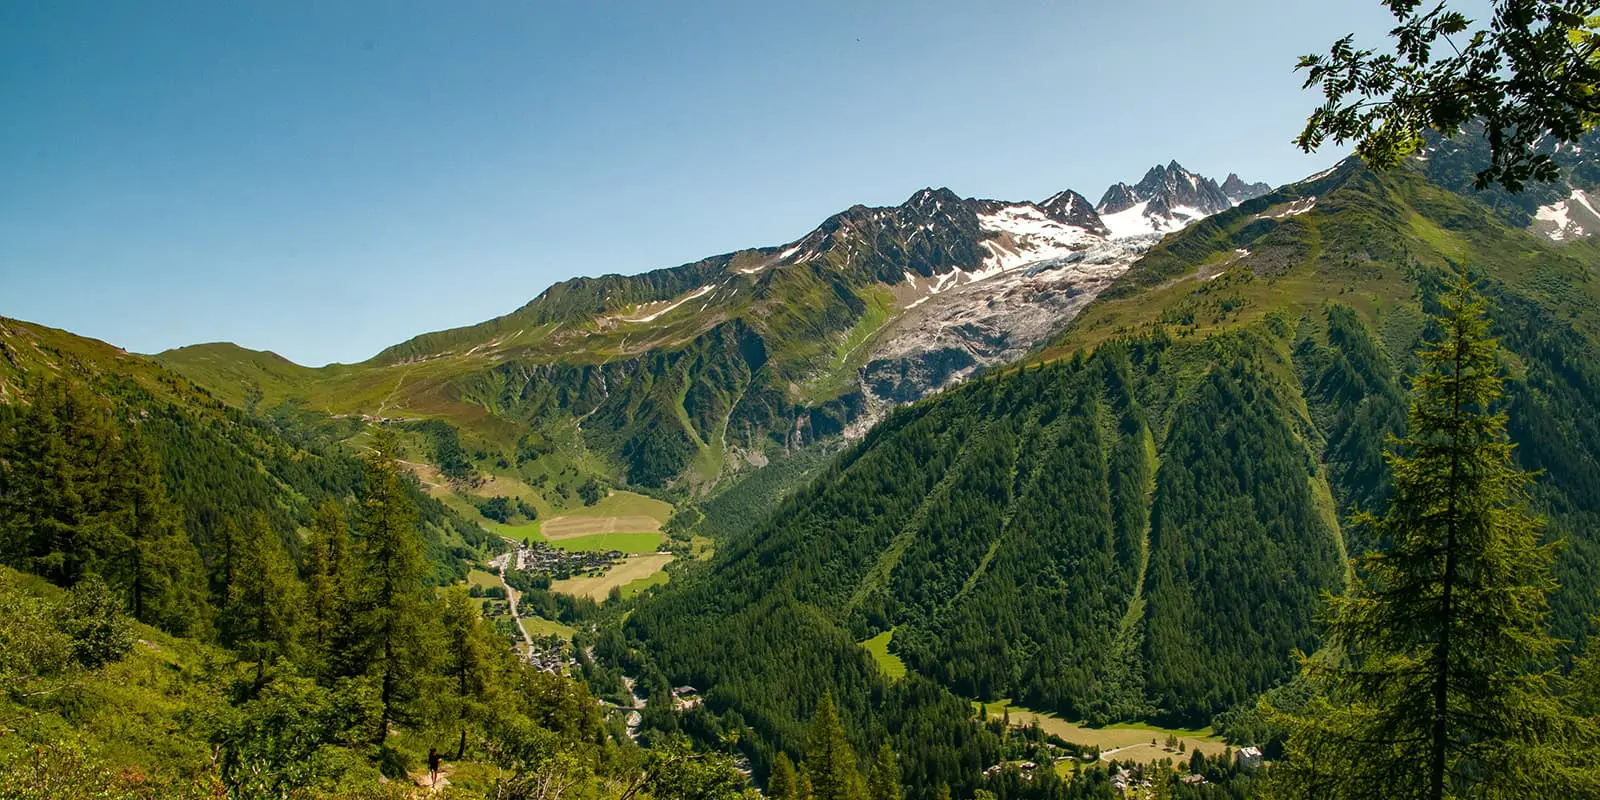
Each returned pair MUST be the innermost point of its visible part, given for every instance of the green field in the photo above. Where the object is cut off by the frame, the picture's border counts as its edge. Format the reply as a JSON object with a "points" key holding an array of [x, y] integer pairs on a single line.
{"points": [[622, 503], [888, 663], [1131, 740], [630, 543], [482, 579], [539, 626], [633, 588], [640, 571]]}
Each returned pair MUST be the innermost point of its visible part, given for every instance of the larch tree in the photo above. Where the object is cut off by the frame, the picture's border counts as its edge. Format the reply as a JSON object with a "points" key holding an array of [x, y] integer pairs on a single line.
{"points": [[783, 783], [81, 494], [884, 781], [392, 577], [830, 761], [262, 613], [1434, 673], [330, 580], [161, 569], [467, 660]]}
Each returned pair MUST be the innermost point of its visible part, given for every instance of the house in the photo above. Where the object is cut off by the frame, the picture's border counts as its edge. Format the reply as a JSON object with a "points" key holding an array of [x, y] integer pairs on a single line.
{"points": [[1192, 780], [1247, 758], [685, 698], [1119, 781]]}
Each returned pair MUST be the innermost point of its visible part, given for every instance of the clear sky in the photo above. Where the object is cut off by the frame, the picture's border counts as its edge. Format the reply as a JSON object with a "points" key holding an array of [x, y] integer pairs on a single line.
{"points": [[324, 179]]}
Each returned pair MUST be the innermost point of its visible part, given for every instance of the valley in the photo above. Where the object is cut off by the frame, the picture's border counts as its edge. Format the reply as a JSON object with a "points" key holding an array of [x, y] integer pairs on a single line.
{"points": [[1089, 470]]}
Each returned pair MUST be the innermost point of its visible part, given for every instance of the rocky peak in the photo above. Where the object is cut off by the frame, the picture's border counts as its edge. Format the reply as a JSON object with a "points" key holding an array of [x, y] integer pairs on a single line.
{"points": [[1120, 197], [1176, 187], [929, 201], [1070, 208], [1238, 191], [1165, 199]]}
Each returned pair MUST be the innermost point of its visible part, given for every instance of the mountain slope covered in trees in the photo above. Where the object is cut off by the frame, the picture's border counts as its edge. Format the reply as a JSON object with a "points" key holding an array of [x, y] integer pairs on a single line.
{"points": [[1142, 524]]}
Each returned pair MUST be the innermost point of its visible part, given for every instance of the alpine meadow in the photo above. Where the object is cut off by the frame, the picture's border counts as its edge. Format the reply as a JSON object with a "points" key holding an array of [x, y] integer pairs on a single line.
{"points": [[1208, 489]]}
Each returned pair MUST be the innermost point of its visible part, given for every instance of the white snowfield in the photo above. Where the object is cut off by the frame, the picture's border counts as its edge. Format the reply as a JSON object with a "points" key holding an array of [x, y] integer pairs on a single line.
{"points": [[1572, 218], [1024, 235], [1136, 221]]}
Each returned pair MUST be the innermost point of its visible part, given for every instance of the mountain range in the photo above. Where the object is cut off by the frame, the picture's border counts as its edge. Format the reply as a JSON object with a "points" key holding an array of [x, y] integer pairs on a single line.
{"points": [[1100, 460], [680, 376]]}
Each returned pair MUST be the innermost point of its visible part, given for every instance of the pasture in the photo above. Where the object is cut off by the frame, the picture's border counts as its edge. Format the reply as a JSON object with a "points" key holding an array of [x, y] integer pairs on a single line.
{"points": [[1128, 741], [570, 527], [633, 568], [631, 543], [888, 663]]}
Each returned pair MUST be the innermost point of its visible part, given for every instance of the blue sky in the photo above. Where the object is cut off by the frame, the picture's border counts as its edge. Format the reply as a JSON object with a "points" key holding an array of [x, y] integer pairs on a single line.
{"points": [[326, 179]]}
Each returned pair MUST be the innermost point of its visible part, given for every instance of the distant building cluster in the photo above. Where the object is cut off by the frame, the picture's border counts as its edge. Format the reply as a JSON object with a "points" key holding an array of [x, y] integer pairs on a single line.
{"points": [[542, 559]]}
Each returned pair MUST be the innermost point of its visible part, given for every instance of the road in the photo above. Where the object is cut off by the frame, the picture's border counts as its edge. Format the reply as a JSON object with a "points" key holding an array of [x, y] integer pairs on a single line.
{"points": [[511, 595]]}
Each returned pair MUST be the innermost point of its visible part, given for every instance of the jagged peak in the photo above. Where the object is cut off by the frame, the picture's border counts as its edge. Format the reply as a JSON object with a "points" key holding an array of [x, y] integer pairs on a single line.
{"points": [[931, 197]]}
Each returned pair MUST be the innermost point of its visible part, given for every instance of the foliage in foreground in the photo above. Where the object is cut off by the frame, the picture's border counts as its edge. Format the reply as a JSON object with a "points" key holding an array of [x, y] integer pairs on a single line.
{"points": [[1435, 673]]}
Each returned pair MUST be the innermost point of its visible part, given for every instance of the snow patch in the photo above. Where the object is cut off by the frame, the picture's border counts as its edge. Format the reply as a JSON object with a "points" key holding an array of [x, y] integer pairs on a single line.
{"points": [[1024, 235], [1572, 218], [1294, 209], [686, 298], [1320, 175]]}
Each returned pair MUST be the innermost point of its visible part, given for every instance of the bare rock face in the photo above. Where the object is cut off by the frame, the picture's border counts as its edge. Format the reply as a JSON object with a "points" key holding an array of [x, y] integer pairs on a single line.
{"points": [[950, 335]]}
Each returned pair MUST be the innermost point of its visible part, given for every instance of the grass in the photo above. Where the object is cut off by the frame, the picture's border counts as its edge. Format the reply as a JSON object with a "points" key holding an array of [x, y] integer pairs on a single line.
{"points": [[482, 579], [632, 543], [633, 588], [1134, 736], [888, 663], [568, 527], [539, 626], [622, 503], [631, 570], [702, 547]]}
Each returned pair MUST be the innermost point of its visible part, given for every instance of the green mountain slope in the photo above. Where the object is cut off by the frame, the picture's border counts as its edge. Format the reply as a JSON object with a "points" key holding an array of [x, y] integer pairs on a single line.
{"points": [[219, 463], [1142, 526]]}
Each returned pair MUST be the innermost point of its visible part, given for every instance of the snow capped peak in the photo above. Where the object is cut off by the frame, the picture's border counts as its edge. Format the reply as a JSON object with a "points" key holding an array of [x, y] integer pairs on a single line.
{"points": [[1166, 199], [1071, 208]]}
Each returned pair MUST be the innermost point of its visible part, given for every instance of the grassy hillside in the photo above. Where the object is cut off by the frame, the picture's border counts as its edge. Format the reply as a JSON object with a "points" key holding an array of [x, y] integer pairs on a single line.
{"points": [[1140, 524]]}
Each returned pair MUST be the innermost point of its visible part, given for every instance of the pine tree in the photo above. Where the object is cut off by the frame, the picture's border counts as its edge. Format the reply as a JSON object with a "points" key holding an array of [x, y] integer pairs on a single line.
{"points": [[884, 782], [393, 572], [162, 570], [49, 482], [81, 495], [331, 631], [1585, 694], [261, 615], [783, 783], [467, 664], [830, 762], [1432, 670]]}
